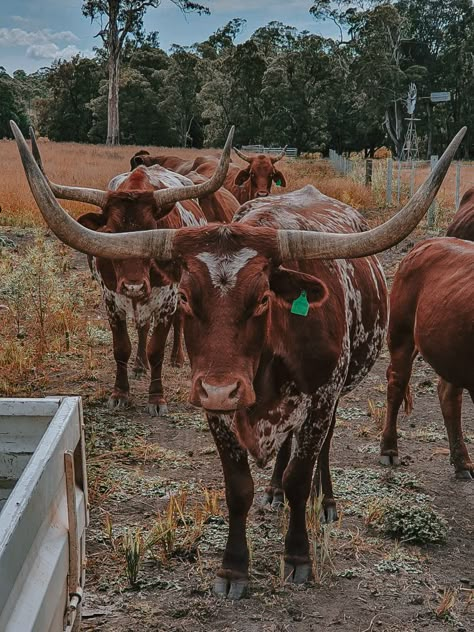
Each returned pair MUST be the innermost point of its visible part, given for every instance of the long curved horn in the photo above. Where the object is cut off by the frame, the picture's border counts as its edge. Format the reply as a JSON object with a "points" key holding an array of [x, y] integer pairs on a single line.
{"points": [[164, 197], [279, 156], [79, 194], [142, 244], [241, 154], [297, 245]]}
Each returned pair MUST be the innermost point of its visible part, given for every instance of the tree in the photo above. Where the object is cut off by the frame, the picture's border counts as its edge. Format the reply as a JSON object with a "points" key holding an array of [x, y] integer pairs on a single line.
{"points": [[11, 105], [65, 115], [119, 20]]}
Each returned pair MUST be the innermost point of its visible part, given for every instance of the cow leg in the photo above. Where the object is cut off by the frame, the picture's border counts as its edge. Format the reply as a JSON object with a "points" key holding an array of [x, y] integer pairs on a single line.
{"points": [[274, 492], [398, 376], [156, 351], [232, 578], [322, 483], [120, 397], [177, 352], [450, 398], [297, 486], [141, 361]]}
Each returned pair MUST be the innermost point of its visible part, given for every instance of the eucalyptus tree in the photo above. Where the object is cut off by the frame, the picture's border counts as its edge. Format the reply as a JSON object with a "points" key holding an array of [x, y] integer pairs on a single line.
{"points": [[119, 20]]}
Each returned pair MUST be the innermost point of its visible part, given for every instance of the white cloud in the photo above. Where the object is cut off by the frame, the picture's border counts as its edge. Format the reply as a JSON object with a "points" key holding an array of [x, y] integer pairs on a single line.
{"points": [[20, 37], [51, 52]]}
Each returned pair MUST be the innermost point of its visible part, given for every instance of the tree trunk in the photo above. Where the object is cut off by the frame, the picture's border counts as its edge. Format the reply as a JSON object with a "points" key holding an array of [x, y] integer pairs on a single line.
{"points": [[113, 131]]}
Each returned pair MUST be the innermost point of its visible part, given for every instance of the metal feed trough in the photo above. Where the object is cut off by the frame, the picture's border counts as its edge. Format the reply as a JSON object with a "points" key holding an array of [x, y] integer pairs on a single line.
{"points": [[43, 514]]}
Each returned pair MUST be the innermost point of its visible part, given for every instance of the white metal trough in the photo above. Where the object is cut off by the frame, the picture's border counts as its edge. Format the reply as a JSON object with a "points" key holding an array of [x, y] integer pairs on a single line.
{"points": [[43, 514]]}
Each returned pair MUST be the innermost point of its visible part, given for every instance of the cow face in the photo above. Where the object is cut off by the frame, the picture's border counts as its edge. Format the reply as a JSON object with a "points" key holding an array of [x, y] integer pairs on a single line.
{"points": [[260, 173], [127, 212], [233, 299]]}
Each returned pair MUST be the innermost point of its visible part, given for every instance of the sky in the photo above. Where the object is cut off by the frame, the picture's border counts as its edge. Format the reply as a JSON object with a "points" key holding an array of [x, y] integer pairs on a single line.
{"points": [[33, 33]]}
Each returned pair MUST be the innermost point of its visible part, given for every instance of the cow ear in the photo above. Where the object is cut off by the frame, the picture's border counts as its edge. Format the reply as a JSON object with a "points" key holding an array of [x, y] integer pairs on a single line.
{"points": [[166, 273], [288, 285], [279, 178], [242, 176], [93, 221]]}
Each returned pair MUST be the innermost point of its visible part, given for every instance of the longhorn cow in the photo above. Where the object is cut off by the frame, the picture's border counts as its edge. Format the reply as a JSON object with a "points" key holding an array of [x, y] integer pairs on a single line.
{"points": [[285, 311], [141, 288]]}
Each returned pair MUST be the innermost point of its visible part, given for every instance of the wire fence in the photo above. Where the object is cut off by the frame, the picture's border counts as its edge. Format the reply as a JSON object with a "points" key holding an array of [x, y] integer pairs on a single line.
{"points": [[394, 181]]}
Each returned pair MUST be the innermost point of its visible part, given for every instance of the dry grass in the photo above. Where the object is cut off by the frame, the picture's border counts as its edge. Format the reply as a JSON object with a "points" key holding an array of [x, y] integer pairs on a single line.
{"points": [[94, 165]]}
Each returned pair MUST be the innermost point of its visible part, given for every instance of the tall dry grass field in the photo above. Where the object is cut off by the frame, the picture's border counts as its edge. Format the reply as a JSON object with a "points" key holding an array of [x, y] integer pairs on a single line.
{"points": [[94, 165]]}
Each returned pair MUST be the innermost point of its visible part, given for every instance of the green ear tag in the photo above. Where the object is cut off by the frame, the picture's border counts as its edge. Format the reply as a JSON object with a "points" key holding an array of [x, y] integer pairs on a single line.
{"points": [[300, 305], [278, 182]]}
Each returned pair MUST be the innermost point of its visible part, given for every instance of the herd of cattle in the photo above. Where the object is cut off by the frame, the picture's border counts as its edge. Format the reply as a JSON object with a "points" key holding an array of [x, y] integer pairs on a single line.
{"points": [[284, 309]]}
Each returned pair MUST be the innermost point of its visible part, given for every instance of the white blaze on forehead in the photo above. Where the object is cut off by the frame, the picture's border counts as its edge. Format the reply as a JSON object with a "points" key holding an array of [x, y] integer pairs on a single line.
{"points": [[223, 269]]}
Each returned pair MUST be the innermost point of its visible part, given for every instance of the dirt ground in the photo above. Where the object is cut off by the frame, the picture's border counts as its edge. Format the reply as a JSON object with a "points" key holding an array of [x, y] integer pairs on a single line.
{"points": [[364, 581]]}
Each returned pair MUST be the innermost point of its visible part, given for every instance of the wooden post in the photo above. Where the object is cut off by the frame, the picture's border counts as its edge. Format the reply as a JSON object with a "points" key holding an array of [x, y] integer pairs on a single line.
{"points": [[389, 181], [368, 172], [432, 209]]}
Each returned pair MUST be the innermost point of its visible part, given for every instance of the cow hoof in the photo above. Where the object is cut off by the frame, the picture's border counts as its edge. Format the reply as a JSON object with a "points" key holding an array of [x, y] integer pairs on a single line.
{"points": [[465, 475], [158, 410], [389, 459], [276, 500], [297, 573], [328, 514], [118, 402], [139, 372], [231, 588]]}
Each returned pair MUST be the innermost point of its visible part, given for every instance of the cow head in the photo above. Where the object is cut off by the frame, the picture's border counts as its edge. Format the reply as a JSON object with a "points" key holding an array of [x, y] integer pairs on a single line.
{"points": [[233, 292], [127, 212], [140, 158], [260, 174]]}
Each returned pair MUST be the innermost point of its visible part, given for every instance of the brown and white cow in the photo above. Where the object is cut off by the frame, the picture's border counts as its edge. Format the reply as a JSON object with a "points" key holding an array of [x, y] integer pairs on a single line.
{"points": [[432, 314], [421, 323], [260, 370], [142, 289]]}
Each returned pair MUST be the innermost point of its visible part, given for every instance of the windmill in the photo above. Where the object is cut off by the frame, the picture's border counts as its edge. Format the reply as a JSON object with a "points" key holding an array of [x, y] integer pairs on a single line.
{"points": [[410, 145]]}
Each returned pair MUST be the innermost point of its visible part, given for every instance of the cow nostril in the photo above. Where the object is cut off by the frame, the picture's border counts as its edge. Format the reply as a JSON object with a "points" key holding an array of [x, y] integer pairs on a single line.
{"points": [[202, 390], [235, 392]]}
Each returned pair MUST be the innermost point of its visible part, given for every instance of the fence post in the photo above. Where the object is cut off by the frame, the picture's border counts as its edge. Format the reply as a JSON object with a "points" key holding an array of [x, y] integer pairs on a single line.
{"points": [[458, 185], [399, 182], [432, 209], [412, 178], [368, 172], [389, 181]]}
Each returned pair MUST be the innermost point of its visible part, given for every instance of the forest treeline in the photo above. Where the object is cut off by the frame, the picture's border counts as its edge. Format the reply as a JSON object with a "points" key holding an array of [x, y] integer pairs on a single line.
{"points": [[280, 86]]}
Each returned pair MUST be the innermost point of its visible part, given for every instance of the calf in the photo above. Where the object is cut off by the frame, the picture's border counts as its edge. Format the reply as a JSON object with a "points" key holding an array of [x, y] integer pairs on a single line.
{"points": [[432, 314]]}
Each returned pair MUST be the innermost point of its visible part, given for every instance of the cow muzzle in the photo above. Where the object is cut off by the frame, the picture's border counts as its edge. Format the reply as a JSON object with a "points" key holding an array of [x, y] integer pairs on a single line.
{"points": [[262, 194], [222, 397], [134, 290]]}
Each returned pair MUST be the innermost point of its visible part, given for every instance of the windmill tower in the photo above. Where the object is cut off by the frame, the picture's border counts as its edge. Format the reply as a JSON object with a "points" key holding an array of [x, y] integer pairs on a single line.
{"points": [[410, 145]]}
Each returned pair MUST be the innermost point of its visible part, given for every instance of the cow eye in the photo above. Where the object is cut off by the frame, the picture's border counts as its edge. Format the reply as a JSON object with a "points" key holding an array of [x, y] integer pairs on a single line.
{"points": [[183, 298], [264, 300]]}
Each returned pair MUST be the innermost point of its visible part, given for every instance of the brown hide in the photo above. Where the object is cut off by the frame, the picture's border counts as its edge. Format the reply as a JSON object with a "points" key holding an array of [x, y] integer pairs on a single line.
{"points": [[462, 225], [255, 180], [432, 313]]}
